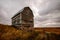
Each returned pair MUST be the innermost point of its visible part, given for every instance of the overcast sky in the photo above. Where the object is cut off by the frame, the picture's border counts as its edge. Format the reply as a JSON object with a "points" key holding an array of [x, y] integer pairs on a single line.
{"points": [[46, 12]]}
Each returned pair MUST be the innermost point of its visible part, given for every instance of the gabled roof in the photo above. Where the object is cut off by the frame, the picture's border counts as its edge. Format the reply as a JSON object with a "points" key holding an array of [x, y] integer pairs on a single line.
{"points": [[21, 11]]}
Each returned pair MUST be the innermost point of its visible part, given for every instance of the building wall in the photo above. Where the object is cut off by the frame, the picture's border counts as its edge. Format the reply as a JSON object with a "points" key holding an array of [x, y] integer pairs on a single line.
{"points": [[16, 20]]}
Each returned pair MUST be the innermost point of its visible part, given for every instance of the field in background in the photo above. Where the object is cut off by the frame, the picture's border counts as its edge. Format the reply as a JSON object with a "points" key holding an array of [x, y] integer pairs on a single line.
{"points": [[55, 30]]}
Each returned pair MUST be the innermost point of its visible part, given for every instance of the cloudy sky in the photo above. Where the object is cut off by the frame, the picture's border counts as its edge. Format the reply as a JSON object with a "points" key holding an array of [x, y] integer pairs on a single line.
{"points": [[46, 12]]}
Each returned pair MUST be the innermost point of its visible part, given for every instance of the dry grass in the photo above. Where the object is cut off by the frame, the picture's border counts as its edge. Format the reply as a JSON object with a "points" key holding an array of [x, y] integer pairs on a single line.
{"points": [[10, 33]]}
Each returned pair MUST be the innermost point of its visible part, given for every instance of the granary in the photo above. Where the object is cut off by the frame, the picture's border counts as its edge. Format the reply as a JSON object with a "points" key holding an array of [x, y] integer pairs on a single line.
{"points": [[23, 18]]}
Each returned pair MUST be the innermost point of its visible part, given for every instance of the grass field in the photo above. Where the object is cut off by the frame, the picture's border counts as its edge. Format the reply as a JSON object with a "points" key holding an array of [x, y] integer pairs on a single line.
{"points": [[10, 33]]}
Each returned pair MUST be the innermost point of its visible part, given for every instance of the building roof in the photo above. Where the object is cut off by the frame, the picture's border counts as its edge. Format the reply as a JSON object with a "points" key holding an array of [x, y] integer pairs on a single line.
{"points": [[20, 11]]}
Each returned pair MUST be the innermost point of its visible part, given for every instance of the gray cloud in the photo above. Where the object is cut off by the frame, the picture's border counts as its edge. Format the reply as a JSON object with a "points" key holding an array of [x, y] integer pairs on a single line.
{"points": [[50, 5], [8, 8], [46, 12]]}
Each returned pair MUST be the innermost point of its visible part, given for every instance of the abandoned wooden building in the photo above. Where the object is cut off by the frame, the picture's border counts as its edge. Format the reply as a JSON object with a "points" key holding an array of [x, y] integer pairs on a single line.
{"points": [[23, 18]]}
